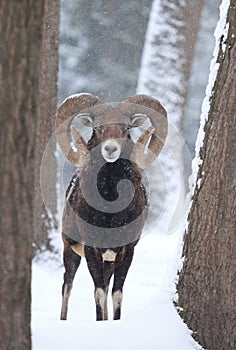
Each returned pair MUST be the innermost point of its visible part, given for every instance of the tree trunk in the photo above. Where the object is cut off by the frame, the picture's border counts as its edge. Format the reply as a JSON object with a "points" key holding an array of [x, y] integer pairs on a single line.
{"points": [[45, 212], [207, 282], [21, 33], [164, 74]]}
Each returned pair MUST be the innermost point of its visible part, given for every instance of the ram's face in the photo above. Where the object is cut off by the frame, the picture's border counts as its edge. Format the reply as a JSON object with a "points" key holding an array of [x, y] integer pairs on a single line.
{"points": [[112, 138]]}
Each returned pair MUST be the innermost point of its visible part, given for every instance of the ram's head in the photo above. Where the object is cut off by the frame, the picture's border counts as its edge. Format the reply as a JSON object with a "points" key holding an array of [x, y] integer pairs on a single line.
{"points": [[111, 126]]}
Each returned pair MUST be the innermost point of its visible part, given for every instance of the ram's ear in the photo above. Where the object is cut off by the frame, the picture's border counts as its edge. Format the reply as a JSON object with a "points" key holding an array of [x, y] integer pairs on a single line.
{"points": [[137, 120], [86, 119]]}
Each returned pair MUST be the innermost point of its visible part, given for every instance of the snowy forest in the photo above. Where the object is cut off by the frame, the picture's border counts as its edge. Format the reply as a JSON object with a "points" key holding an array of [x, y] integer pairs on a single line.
{"points": [[179, 293]]}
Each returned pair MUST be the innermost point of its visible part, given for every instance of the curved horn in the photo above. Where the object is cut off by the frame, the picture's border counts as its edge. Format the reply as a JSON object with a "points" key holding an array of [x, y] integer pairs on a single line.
{"points": [[143, 104], [66, 112]]}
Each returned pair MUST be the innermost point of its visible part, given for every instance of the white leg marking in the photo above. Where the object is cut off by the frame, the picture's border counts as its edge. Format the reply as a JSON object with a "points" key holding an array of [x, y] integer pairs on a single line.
{"points": [[101, 299], [117, 300], [65, 299], [105, 314]]}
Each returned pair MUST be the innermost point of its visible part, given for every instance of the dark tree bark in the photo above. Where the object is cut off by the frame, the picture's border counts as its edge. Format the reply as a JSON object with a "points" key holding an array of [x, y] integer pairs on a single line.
{"points": [[45, 212], [21, 34], [207, 281]]}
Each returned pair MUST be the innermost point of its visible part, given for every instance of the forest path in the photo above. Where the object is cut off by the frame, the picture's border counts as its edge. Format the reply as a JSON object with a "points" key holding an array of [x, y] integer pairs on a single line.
{"points": [[149, 319]]}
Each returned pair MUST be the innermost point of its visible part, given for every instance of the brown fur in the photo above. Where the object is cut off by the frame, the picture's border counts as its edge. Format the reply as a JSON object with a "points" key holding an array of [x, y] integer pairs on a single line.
{"points": [[78, 249]]}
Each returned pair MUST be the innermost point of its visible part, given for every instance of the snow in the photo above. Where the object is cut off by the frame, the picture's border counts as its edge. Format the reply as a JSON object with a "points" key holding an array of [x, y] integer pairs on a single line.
{"points": [[149, 318]]}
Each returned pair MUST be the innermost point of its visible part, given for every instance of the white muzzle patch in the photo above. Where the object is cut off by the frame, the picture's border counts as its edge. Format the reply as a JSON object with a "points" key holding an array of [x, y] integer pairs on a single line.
{"points": [[111, 150]]}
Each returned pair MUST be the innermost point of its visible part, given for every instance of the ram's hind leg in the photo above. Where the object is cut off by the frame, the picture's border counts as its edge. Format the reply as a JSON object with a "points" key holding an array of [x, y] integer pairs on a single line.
{"points": [[71, 263]]}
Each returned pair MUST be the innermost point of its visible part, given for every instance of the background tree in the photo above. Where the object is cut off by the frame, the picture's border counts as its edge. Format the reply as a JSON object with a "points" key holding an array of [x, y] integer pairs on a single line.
{"points": [[22, 29], [101, 47], [165, 71], [207, 281]]}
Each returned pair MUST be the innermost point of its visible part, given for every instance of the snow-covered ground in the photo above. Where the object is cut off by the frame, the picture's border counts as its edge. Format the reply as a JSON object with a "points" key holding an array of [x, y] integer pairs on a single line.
{"points": [[149, 318]]}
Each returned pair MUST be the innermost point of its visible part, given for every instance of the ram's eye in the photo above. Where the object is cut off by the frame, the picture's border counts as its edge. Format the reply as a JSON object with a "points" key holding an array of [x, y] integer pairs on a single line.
{"points": [[98, 129], [124, 129]]}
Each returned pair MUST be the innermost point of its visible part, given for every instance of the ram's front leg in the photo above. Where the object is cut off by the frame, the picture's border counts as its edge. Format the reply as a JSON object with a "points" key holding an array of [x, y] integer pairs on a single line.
{"points": [[101, 307], [122, 266], [95, 266], [108, 270]]}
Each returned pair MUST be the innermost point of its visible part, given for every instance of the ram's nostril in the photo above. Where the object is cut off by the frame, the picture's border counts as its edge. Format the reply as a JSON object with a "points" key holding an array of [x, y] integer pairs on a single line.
{"points": [[110, 149]]}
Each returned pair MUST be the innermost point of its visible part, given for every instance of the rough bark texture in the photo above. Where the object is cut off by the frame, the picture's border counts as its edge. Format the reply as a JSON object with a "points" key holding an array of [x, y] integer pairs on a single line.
{"points": [[21, 33], [207, 282], [45, 220]]}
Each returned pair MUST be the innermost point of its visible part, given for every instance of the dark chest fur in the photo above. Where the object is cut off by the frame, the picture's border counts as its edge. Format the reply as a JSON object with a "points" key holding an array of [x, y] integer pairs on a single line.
{"points": [[112, 197]]}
